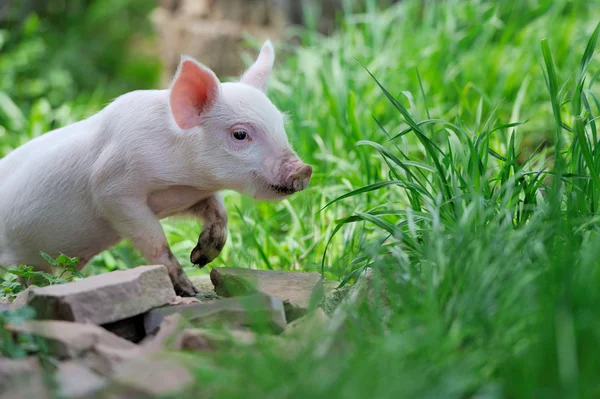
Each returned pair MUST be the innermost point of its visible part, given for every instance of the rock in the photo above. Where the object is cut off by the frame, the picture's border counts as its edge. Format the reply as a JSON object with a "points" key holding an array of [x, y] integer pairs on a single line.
{"points": [[70, 340], [205, 288], [255, 12], [332, 295], [243, 311], [75, 380], [195, 8], [4, 304], [207, 340], [166, 337], [105, 298], [308, 324], [359, 291], [22, 379], [132, 329], [105, 361], [232, 340], [170, 5], [213, 31], [299, 291], [183, 301], [175, 334], [368, 292], [155, 375], [23, 297]]}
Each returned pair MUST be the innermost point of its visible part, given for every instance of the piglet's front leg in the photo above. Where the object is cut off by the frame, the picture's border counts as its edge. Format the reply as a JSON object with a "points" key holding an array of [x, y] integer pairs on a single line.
{"points": [[133, 219], [155, 249], [214, 232]]}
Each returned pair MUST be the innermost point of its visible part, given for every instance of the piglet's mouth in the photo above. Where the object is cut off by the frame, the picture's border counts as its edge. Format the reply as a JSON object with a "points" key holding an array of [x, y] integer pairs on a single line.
{"points": [[282, 189], [268, 190], [275, 191]]}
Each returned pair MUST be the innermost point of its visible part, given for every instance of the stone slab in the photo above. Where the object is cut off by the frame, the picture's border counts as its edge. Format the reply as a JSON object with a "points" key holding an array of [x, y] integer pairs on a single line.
{"points": [[152, 376], [242, 311], [75, 380], [69, 340], [299, 291], [22, 379], [105, 298]]}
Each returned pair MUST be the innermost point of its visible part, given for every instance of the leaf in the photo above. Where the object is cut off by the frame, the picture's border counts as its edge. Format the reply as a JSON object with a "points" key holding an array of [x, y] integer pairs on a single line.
{"points": [[589, 50], [370, 187], [10, 115], [381, 223], [62, 259], [48, 258]]}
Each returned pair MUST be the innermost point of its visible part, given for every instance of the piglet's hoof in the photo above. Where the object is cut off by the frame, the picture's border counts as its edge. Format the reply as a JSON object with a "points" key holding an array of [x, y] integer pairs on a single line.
{"points": [[184, 287], [201, 255]]}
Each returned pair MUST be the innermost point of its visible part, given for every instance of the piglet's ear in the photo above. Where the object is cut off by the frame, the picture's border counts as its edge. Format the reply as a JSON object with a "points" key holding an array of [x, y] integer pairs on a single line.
{"points": [[258, 74], [194, 91]]}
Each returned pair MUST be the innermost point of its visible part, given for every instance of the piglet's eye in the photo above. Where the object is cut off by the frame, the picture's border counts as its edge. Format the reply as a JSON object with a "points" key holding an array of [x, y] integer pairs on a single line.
{"points": [[240, 134]]}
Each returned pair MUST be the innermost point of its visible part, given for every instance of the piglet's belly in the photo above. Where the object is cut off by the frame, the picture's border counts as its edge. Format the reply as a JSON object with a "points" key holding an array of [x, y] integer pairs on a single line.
{"points": [[175, 200], [84, 240]]}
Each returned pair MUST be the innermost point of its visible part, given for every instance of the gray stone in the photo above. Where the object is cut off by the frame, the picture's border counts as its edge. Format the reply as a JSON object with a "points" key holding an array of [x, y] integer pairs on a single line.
{"points": [[244, 311], [105, 298], [232, 340], [214, 32], [22, 379], [4, 304], [22, 298], [170, 5], [166, 337], [299, 291], [255, 12], [359, 291], [175, 334], [154, 375], [207, 340], [363, 292], [311, 323], [70, 340], [333, 295], [132, 329], [195, 8], [205, 288], [75, 380]]}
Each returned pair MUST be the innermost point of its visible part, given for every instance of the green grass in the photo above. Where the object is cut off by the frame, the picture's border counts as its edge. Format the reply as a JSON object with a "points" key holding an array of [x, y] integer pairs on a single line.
{"points": [[455, 150], [488, 259], [477, 62]]}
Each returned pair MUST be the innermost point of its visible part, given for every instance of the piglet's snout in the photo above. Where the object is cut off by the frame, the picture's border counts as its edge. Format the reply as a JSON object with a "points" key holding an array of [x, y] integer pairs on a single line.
{"points": [[299, 178]]}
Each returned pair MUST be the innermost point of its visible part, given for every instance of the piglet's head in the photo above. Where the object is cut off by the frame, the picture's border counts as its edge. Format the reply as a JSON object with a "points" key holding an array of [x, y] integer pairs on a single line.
{"points": [[237, 135]]}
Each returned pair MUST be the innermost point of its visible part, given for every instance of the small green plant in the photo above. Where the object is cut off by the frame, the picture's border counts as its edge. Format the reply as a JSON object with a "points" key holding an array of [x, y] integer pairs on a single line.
{"points": [[25, 343], [64, 269], [10, 288]]}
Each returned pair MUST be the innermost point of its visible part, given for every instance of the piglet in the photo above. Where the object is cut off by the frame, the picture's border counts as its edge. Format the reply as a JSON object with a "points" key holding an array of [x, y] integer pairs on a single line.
{"points": [[149, 154]]}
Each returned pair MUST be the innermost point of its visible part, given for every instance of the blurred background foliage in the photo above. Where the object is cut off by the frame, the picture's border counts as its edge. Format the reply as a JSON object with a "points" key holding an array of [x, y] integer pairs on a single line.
{"points": [[62, 60], [491, 265], [63, 49]]}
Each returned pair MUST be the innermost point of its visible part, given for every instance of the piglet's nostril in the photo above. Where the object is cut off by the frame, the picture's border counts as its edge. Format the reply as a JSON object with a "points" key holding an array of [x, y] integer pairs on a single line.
{"points": [[301, 177], [304, 171], [307, 171]]}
